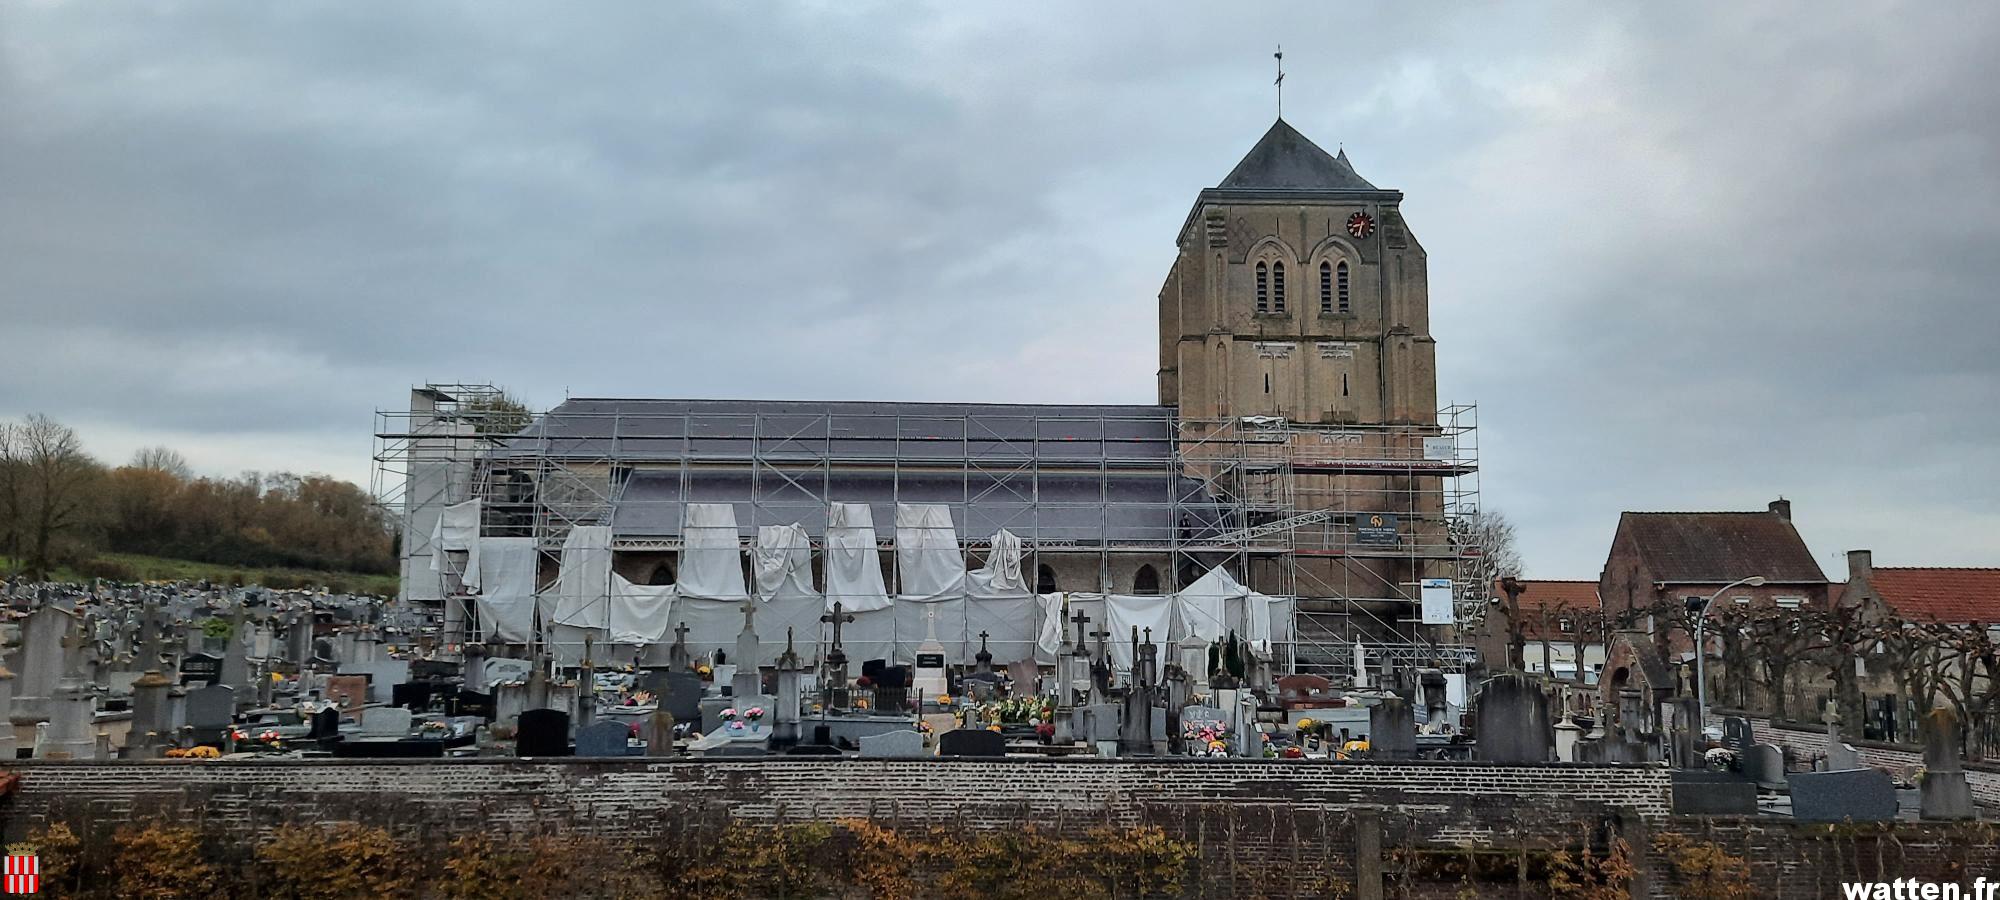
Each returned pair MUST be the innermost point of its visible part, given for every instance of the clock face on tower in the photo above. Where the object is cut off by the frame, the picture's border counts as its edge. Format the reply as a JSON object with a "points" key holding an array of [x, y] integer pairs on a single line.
{"points": [[1360, 225]]}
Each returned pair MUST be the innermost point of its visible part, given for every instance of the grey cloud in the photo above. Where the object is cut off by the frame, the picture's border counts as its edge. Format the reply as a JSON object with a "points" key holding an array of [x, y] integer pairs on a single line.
{"points": [[1682, 257]]}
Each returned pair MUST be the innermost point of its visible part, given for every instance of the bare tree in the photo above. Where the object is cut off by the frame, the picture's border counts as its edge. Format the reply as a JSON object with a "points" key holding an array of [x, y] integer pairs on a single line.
{"points": [[164, 460], [13, 482], [58, 475]]}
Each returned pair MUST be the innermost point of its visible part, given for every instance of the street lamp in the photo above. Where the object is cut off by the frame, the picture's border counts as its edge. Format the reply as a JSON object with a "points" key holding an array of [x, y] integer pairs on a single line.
{"points": [[1701, 645]]}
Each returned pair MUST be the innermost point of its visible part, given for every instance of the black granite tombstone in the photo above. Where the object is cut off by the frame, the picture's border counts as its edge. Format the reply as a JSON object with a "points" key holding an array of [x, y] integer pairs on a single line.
{"points": [[972, 742], [201, 667], [543, 732]]}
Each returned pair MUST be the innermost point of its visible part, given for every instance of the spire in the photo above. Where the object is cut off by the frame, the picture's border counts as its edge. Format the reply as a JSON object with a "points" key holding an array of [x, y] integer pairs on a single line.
{"points": [[1285, 160]]}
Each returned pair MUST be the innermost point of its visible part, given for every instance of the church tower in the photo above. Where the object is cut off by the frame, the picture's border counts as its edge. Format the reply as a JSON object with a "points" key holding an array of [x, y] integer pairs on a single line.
{"points": [[1299, 292]]}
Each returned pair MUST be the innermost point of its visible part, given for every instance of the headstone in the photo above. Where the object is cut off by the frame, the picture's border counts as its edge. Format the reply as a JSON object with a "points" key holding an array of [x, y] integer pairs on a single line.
{"points": [[542, 732], [963, 742], [1512, 721], [42, 640], [1861, 795], [388, 722], [1736, 735], [1392, 729], [7, 738], [680, 693], [1100, 722], [1713, 794], [660, 733], [210, 710], [606, 738], [929, 678], [897, 745], [502, 670], [325, 725], [201, 667], [1765, 764], [1945, 794], [1689, 742], [349, 694], [746, 679]]}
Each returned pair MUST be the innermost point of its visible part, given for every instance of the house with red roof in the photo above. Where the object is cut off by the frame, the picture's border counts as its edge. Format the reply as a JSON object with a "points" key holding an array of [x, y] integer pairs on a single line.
{"points": [[1944, 595], [1562, 629], [1675, 560]]}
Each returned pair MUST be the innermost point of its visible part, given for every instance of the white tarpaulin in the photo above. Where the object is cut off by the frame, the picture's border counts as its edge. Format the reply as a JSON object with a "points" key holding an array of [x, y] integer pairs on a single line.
{"points": [[507, 603], [711, 554], [458, 529], [872, 635], [999, 603], [782, 565], [915, 618], [853, 567], [1049, 627], [712, 624], [583, 583], [929, 564], [1126, 612], [1216, 604], [639, 612]]}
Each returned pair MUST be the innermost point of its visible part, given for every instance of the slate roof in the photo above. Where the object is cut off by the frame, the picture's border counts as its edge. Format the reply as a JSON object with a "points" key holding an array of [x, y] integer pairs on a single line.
{"points": [[1956, 596], [1720, 547], [991, 433], [1285, 160]]}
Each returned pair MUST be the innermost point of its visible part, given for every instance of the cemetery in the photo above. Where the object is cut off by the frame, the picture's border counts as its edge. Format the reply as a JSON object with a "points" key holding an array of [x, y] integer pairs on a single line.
{"points": [[252, 713]]}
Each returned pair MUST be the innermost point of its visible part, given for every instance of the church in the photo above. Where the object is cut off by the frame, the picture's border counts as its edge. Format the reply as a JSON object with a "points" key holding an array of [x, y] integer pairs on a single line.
{"points": [[1296, 484]]}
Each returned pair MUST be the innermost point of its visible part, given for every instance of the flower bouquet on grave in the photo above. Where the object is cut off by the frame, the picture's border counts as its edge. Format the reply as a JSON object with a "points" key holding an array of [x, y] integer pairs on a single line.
{"points": [[730, 721], [753, 714]]}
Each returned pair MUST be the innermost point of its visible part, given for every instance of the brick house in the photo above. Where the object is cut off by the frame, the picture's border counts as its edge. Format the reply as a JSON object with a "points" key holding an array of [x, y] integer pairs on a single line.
{"points": [[1952, 596], [1669, 560], [1561, 623]]}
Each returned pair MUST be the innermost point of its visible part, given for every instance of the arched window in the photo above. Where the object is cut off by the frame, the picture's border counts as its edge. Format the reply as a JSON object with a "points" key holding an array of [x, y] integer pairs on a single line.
{"points": [[1326, 288], [1147, 582], [1342, 279], [1263, 287], [663, 574], [1045, 579], [1278, 287]]}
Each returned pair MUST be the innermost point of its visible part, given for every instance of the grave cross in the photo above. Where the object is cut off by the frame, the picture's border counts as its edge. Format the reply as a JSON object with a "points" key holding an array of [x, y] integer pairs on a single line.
{"points": [[837, 618], [681, 633], [1081, 620]]}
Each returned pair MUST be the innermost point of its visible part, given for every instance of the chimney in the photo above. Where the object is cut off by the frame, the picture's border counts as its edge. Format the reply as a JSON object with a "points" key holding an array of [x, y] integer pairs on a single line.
{"points": [[1860, 565], [1783, 508]]}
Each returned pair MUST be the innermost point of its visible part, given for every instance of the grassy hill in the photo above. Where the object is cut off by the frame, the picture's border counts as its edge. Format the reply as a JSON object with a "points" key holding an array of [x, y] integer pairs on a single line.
{"points": [[134, 567]]}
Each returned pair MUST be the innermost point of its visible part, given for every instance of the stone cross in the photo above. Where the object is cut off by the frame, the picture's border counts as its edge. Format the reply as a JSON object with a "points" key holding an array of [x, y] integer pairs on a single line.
{"points": [[1081, 620], [983, 660], [837, 618]]}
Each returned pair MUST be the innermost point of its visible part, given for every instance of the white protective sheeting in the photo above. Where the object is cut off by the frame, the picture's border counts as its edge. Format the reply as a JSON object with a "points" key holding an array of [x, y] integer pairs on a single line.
{"points": [[872, 635], [583, 583], [1049, 627], [639, 612], [999, 603], [712, 624], [711, 554], [782, 565], [507, 604], [458, 529], [1126, 612], [1202, 608], [853, 567], [929, 564], [930, 569]]}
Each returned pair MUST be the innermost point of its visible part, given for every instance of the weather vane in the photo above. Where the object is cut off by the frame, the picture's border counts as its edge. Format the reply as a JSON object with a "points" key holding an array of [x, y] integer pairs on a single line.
{"points": [[1280, 55]]}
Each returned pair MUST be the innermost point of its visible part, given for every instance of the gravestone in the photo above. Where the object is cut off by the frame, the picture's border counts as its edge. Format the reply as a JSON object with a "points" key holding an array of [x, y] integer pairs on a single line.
{"points": [[1945, 794], [1862, 795], [680, 693], [605, 738], [1512, 723], [201, 667], [1713, 794], [1736, 735], [1392, 729], [392, 722], [1841, 758], [1100, 722], [325, 725], [660, 733], [896, 745], [963, 742], [1765, 764], [542, 732], [502, 670], [210, 711], [349, 694]]}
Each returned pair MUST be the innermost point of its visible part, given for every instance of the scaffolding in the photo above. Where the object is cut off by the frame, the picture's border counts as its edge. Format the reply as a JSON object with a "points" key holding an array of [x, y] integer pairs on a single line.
{"points": [[1345, 520]]}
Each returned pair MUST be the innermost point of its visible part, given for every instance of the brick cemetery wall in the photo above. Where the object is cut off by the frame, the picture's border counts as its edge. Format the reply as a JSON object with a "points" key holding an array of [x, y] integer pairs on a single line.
{"points": [[1269, 828], [1805, 743]]}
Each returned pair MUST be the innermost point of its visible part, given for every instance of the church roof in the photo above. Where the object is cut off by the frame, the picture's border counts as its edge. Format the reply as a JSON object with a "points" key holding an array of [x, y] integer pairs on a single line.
{"points": [[1285, 160]]}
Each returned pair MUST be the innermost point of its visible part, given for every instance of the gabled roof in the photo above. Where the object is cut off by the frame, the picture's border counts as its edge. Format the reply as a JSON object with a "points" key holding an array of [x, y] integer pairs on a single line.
{"points": [[1955, 596], [1720, 547], [1285, 160], [1544, 593]]}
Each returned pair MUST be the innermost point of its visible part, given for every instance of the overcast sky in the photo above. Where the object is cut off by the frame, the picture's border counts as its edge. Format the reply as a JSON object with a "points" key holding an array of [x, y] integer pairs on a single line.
{"points": [[1683, 257]]}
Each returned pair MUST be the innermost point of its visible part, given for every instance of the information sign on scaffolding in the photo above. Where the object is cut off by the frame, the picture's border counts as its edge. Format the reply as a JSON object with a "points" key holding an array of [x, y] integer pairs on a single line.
{"points": [[1440, 448], [1377, 528], [1436, 594]]}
